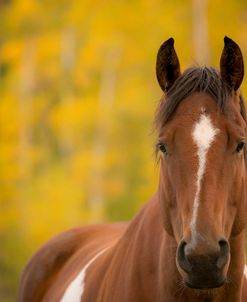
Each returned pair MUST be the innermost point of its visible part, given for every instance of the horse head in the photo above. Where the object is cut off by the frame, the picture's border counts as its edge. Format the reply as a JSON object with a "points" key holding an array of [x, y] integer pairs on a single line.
{"points": [[201, 126]]}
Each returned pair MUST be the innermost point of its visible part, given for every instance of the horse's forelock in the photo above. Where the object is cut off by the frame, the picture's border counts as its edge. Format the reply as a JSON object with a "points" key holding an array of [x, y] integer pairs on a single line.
{"points": [[195, 79]]}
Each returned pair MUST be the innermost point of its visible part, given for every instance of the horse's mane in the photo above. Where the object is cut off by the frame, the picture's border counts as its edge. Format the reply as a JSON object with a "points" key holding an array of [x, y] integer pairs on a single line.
{"points": [[195, 79]]}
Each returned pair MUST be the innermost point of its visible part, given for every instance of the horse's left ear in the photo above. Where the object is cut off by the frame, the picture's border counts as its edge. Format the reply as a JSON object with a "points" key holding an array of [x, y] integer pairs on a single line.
{"points": [[232, 64], [167, 65]]}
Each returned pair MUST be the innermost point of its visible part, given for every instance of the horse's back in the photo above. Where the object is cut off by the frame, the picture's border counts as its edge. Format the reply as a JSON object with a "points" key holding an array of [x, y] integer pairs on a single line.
{"points": [[46, 264]]}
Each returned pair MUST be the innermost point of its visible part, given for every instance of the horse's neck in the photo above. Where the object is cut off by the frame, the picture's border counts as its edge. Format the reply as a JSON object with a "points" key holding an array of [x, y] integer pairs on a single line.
{"points": [[144, 235], [134, 262], [142, 255]]}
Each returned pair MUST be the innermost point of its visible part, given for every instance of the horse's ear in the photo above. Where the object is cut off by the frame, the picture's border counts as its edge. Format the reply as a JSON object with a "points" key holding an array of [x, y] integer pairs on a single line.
{"points": [[167, 65], [232, 64]]}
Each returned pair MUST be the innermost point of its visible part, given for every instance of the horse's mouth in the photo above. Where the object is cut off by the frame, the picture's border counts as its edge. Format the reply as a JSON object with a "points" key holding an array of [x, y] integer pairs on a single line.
{"points": [[205, 286]]}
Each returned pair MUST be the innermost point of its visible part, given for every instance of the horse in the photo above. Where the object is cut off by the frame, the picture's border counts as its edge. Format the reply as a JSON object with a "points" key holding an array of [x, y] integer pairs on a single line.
{"points": [[187, 242]]}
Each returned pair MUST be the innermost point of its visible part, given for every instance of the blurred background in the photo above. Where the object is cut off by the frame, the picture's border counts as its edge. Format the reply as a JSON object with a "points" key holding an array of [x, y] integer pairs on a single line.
{"points": [[78, 92]]}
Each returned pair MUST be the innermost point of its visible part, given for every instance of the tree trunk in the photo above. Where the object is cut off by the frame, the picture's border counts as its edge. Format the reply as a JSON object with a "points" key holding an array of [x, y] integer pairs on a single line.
{"points": [[106, 99], [200, 31]]}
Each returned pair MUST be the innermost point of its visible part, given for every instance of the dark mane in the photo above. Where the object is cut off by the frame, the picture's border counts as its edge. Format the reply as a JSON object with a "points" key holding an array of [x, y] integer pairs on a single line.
{"points": [[195, 79]]}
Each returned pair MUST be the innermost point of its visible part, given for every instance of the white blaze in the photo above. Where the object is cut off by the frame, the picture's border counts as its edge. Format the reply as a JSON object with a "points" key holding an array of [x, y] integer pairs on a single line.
{"points": [[203, 135], [75, 290]]}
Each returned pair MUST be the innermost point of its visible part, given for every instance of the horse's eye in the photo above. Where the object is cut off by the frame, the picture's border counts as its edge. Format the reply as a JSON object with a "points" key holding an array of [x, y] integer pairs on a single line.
{"points": [[240, 146], [162, 147]]}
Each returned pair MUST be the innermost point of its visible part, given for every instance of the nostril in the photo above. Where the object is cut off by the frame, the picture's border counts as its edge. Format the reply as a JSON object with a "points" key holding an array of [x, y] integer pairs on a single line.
{"points": [[181, 257], [224, 253], [224, 246], [223, 243]]}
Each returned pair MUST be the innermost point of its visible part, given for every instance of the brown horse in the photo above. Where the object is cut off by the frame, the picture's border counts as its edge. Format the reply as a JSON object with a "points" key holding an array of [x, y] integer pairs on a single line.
{"points": [[187, 243]]}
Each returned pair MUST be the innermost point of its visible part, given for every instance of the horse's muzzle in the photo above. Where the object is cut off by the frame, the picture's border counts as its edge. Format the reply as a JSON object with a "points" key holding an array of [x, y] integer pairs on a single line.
{"points": [[203, 270]]}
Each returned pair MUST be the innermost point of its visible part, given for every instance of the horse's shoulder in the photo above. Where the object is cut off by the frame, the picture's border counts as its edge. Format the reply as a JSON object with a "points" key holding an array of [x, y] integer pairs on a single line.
{"points": [[50, 258]]}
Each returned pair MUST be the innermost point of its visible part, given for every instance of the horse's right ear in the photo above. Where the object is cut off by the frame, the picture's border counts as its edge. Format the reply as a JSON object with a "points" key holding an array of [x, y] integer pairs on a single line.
{"points": [[232, 64], [167, 65]]}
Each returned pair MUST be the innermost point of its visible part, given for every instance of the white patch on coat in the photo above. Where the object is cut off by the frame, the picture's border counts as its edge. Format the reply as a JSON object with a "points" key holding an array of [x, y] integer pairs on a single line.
{"points": [[203, 135], [76, 288], [245, 271]]}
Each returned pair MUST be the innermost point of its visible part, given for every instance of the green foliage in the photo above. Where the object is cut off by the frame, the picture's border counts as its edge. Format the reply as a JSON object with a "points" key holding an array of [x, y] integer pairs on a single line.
{"points": [[77, 97]]}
